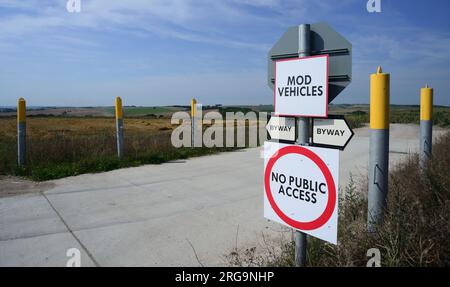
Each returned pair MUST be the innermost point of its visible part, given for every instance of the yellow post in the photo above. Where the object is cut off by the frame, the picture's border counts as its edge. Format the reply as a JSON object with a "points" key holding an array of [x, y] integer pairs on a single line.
{"points": [[21, 108], [119, 126], [21, 132], [379, 148], [379, 100], [426, 103], [119, 109], [426, 125], [193, 103]]}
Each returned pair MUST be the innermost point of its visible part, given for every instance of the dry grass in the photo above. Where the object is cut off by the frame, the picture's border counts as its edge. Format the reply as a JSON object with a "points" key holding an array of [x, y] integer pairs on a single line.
{"points": [[59, 147], [49, 126]]}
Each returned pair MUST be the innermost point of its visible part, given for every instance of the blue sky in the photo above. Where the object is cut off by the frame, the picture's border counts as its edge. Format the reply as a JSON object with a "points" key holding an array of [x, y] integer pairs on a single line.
{"points": [[166, 52]]}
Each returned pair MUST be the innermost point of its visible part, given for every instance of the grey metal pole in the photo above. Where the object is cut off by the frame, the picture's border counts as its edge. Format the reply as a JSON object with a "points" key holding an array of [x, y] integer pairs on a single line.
{"points": [[193, 131], [426, 130], [119, 129], [379, 148], [303, 139], [426, 126], [197, 132], [21, 143], [119, 126], [21, 132]]}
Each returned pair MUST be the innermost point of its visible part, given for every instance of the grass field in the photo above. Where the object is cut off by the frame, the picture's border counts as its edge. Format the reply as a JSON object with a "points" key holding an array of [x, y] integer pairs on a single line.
{"points": [[59, 147], [64, 146], [143, 111], [43, 127]]}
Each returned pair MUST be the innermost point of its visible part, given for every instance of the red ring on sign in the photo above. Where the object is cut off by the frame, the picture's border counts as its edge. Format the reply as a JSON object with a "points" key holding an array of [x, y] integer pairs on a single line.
{"points": [[331, 203]]}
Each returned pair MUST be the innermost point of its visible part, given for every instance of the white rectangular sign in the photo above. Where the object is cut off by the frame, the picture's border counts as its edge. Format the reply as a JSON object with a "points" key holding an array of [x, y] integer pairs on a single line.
{"points": [[281, 128], [301, 186], [301, 87], [332, 132]]}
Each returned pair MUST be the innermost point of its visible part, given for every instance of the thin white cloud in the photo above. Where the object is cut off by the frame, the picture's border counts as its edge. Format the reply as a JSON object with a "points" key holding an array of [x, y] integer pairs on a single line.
{"points": [[195, 21], [406, 45]]}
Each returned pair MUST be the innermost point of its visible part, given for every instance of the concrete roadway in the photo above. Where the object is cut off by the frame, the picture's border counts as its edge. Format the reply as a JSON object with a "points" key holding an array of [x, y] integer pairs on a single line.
{"points": [[182, 213]]}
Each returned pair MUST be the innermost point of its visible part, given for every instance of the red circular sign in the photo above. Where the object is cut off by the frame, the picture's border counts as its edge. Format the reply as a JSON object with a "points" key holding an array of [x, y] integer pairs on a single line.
{"points": [[331, 203]]}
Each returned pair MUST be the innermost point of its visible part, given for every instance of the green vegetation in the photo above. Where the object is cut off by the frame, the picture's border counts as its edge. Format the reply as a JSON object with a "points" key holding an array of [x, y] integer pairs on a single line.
{"points": [[441, 115], [224, 110], [415, 231], [142, 111], [357, 119], [60, 156], [93, 164], [399, 115], [263, 108]]}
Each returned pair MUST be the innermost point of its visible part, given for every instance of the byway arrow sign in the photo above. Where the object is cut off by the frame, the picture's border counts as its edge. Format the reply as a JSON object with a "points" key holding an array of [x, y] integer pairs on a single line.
{"points": [[332, 132], [281, 128]]}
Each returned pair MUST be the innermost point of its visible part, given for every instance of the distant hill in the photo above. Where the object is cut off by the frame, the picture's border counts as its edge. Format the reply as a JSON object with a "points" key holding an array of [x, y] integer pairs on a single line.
{"points": [[7, 110]]}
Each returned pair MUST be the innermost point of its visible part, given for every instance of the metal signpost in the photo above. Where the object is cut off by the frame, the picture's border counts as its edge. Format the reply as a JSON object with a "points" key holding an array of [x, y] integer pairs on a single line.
{"points": [[333, 132], [307, 68]]}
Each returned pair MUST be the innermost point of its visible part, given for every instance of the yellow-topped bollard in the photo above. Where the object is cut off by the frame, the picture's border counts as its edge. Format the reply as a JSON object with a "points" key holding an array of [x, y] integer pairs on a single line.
{"points": [[21, 109], [21, 132], [426, 103], [119, 126], [426, 125], [379, 148], [193, 103], [379, 100], [119, 109], [193, 115]]}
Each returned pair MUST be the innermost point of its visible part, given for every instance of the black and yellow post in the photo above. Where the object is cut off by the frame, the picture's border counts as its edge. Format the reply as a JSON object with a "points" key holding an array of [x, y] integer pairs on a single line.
{"points": [[379, 148], [21, 132], [119, 126], [426, 125]]}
